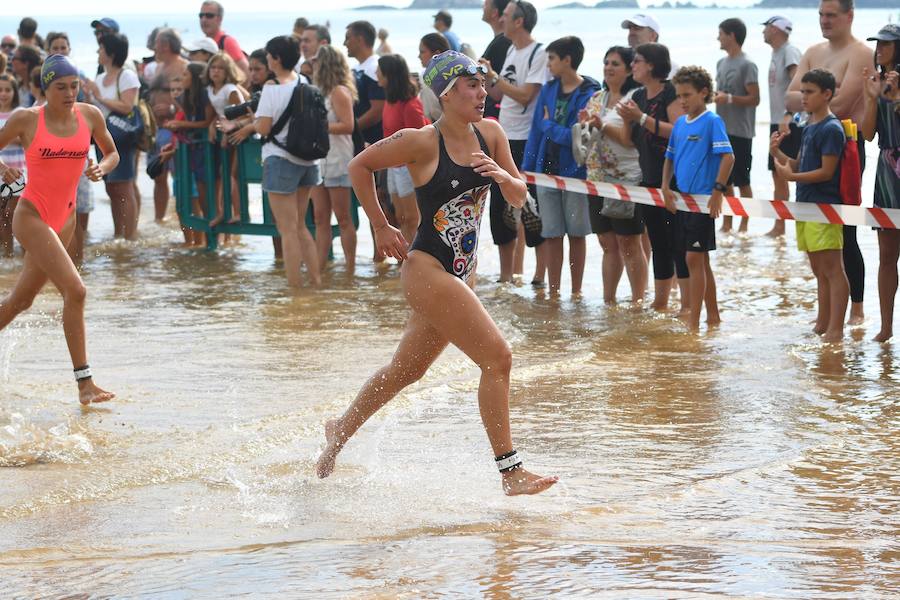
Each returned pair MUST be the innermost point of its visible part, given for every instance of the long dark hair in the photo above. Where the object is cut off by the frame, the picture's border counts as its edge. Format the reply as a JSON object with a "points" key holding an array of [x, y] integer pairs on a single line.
{"points": [[259, 55], [15, 87], [894, 61], [627, 55], [192, 98], [400, 87]]}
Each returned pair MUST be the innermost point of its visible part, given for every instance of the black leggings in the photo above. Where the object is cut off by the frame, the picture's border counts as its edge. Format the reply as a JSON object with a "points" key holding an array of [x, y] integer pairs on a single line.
{"points": [[853, 259], [666, 260], [853, 264]]}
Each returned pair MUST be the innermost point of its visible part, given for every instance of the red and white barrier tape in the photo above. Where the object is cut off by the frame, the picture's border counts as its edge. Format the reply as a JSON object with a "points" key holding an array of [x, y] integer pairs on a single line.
{"points": [[885, 218]]}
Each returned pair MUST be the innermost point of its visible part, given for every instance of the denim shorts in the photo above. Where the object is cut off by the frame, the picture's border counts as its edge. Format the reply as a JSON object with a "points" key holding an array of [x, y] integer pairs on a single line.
{"points": [[84, 196], [400, 182], [124, 171], [281, 176], [336, 182], [563, 213]]}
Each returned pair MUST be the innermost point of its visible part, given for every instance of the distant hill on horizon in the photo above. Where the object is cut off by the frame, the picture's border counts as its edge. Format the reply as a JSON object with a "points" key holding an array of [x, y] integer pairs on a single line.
{"points": [[446, 4]]}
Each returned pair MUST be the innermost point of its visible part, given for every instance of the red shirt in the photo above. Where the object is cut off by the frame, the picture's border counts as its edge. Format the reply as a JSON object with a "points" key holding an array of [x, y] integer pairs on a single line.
{"points": [[400, 115], [231, 46]]}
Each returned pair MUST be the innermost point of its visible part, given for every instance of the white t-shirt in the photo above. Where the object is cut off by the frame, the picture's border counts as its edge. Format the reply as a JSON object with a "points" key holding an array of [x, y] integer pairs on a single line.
{"points": [[274, 100], [515, 118], [128, 80], [220, 99]]}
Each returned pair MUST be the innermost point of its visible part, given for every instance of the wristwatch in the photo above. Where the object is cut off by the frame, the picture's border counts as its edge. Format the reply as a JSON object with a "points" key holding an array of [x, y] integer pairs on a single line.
{"points": [[720, 187]]}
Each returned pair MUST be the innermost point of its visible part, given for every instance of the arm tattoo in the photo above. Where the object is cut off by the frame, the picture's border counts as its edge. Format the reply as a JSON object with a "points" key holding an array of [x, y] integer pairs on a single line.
{"points": [[386, 141]]}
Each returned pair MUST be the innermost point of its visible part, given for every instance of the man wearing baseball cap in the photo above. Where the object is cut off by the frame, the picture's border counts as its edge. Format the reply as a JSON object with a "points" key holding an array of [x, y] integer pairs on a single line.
{"points": [[642, 29], [442, 23], [201, 50], [104, 25], [785, 58]]}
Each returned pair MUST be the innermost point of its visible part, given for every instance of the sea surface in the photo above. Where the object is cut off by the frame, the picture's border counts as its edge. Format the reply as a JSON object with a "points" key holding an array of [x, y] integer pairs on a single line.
{"points": [[750, 461]]}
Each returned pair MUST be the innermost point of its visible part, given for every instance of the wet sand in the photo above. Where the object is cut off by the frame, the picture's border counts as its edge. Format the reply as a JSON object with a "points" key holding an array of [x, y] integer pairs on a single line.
{"points": [[749, 461]]}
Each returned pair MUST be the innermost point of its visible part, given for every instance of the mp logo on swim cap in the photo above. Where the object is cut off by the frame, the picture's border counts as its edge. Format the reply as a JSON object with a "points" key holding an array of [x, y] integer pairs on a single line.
{"points": [[436, 70], [48, 77]]}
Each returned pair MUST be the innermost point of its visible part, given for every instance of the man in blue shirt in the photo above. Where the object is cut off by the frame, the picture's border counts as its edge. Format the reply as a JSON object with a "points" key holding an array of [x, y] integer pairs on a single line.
{"points": [[442, 22], [700, 156]]}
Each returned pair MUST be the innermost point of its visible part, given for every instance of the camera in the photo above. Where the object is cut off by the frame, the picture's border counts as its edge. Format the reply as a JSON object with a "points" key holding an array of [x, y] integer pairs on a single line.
{"points": [[236, 111]]}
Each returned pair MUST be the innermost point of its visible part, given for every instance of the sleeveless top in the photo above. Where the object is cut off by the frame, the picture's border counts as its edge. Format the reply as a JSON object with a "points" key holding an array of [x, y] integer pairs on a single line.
{"points": [[651, 147], [340, 149], [55, 164], [451, 205], [13, 155]]}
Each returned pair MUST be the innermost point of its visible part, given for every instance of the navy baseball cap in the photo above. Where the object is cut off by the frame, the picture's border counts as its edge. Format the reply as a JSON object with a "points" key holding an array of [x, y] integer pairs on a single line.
{"points": [[106, 23]]}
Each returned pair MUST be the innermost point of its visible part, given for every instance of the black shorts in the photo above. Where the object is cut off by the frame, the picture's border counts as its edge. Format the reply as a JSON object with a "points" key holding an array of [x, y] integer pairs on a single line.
{"points": [[789, 145], [601, 224], [743, 159], [694, 232], [499, 231]]}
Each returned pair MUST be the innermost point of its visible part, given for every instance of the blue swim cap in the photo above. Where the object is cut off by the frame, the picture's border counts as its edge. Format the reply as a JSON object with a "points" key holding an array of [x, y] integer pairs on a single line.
{"points": [[56, 67], [445, 68]]}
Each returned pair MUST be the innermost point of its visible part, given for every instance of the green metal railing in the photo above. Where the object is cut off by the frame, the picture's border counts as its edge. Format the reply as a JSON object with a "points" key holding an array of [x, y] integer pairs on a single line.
{"points": [[250, 171]]}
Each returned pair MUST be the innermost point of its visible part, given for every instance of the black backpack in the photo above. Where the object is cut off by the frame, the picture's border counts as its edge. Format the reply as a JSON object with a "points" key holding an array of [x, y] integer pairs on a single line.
{"points": [[307, 136]]}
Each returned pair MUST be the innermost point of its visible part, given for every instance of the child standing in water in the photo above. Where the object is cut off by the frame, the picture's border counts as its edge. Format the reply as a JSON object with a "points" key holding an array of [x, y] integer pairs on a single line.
{"points": [[13, 156], [452, 164], [699, 155], [818, 180]]}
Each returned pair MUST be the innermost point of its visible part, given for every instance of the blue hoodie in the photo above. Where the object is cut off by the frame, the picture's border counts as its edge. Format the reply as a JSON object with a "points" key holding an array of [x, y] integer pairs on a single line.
{"points": [[547, 130]]}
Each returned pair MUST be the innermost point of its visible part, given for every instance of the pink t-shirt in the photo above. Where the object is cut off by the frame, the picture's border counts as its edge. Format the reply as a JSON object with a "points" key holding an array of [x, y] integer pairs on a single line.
{"points": [[230, 46]]}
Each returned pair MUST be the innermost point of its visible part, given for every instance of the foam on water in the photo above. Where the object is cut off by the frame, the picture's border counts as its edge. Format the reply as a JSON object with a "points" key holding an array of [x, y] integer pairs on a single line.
{"points": [[24, 443]]}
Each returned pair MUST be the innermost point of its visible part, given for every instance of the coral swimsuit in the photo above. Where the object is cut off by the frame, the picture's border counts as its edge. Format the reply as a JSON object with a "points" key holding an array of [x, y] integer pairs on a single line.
{"points": [[54, 166]]}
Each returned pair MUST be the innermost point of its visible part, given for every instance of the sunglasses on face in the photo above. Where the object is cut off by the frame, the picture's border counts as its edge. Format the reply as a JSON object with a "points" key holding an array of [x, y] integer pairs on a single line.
{"points": [[208, 15], [8, 46]]}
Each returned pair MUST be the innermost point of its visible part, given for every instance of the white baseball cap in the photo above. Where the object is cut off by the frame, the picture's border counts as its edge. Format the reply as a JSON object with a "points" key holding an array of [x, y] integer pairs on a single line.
{"points": [[641, 21], [204, 45], [782, 23]]}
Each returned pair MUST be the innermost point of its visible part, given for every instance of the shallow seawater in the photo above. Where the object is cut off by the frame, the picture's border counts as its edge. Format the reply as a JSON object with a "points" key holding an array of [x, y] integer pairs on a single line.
{"points": [[748, 461]]}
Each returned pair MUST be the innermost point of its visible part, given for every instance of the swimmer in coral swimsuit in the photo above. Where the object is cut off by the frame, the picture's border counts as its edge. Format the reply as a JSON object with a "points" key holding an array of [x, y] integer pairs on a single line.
{"points": [[452, 164], [57, 137]]}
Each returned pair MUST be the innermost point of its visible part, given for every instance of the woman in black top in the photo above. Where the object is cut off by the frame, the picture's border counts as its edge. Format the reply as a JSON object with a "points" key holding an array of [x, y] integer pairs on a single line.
{"points": [[650, 114], [451, 166]]}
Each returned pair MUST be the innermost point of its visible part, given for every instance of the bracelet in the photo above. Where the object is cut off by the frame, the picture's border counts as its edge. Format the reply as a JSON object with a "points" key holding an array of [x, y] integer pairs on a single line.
{"points": [[494, 80], [730, 99], [643, 119]]}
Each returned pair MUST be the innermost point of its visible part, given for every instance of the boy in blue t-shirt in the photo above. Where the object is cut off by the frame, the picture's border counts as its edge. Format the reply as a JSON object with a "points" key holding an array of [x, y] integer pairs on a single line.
{"points": [[818, 180], [700, 157]]}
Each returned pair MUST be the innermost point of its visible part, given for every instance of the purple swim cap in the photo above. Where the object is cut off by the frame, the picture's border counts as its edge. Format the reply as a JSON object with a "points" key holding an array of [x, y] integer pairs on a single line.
{"points": [[445, 68], [56, 67]]}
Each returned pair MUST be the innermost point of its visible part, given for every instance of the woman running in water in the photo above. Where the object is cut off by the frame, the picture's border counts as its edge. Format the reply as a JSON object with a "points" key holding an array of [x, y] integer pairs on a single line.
{"points": [[438, 272], [56, 138]]}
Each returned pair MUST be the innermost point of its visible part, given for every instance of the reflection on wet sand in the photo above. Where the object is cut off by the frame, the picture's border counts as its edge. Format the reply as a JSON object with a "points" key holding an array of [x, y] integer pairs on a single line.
{"points": [[751, 460]]}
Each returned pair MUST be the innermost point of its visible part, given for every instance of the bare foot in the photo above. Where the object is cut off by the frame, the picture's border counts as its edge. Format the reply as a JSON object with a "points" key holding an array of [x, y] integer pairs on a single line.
{"points": [[520, 481], [856, 320], [216, 220], [883, 336], [725, 229], [235, 220], [333, 445], [833, 337], [714, 321], [660, 306], [775, 232], [819, 329], [90, 393]]}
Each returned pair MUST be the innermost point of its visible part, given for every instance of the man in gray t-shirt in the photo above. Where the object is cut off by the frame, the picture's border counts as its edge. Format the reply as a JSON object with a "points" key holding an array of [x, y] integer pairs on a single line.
{"points": [[785, 58], [737, 96]]}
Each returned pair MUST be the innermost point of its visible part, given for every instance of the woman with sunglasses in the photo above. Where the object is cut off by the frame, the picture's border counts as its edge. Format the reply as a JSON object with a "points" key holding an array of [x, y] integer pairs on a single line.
{"points": [[56, 138], [452, 164]]}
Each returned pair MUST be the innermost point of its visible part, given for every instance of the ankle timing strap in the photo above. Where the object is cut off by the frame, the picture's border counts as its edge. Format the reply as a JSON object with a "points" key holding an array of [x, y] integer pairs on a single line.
{"points": [[509, 461], [82, 373]]}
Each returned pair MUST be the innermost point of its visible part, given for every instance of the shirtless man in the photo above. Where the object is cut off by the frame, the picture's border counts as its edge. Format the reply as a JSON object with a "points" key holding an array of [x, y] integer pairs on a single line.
{"points": [[845, 56], [170, 64]]}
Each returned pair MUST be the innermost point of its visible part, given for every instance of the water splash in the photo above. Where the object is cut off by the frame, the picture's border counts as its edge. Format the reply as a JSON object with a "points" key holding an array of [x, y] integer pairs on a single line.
{"points": [[23, 443]]}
